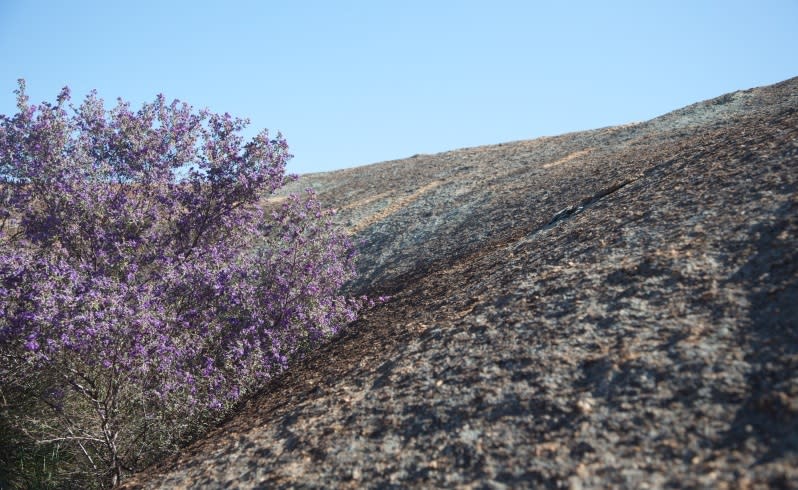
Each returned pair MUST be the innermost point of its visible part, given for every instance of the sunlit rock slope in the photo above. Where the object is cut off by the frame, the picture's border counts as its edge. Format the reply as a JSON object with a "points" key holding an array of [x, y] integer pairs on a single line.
{"points": [[609, 308]]}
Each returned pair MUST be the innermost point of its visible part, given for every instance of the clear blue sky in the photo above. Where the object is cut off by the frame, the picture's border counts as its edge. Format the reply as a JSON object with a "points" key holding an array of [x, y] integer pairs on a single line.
{"points": [[351, 83]]}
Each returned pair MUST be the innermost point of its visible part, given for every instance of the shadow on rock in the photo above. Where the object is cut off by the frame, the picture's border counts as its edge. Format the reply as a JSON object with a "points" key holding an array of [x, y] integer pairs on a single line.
{"points": [[770, 413]]}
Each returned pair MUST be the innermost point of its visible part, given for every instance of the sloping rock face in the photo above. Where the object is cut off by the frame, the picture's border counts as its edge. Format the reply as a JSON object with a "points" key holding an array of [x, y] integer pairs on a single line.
{"points": [[611, 308]]}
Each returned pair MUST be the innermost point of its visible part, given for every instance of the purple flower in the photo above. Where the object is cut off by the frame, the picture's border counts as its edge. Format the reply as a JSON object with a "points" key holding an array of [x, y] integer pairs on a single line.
{"points": [[139, 244], [31, 343]]}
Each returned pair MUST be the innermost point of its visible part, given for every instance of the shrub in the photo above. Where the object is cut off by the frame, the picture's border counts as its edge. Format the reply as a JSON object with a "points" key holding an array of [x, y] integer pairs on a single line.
{"points": [[145, 283]]}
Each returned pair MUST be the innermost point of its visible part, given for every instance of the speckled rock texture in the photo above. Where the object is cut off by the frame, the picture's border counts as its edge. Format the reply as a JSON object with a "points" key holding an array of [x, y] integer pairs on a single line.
{"points": [[615, 308]]}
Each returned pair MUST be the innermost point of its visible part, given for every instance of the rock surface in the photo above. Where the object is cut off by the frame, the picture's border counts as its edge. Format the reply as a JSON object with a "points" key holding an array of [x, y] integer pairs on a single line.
{"points": [[609, 308]]}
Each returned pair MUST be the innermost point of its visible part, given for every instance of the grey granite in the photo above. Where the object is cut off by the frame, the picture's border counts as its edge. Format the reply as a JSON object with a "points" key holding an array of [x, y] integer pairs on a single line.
{"points": [[609, 308]]}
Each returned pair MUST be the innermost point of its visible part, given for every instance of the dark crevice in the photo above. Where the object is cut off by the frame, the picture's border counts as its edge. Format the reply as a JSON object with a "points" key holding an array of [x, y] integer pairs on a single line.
{"points": [[584, 204]]}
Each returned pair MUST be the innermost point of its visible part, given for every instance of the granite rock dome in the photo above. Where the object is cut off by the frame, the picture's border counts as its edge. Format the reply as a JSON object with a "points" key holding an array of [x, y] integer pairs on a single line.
{"points": [[608, 308]]}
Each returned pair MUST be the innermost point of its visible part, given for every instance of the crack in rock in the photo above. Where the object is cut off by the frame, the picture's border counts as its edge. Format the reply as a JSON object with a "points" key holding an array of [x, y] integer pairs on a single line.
{"points": [[585, 203]]}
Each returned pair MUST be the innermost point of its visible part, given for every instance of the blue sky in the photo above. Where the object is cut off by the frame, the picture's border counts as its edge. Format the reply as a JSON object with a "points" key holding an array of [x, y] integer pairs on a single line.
{"points": [[351, 83]]}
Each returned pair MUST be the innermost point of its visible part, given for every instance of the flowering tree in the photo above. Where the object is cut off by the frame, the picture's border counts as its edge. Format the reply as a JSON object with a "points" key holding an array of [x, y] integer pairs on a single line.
{"points": [[145, 282]]}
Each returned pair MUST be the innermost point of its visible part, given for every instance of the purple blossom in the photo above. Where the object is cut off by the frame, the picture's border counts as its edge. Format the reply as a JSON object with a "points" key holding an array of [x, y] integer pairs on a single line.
{"points": [[136, 242]]}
